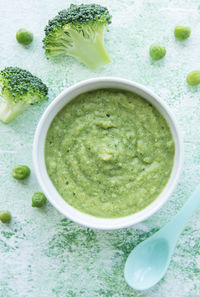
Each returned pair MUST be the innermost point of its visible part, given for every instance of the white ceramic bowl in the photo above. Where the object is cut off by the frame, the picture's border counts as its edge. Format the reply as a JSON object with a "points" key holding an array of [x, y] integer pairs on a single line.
{"points": [[39, 162]]}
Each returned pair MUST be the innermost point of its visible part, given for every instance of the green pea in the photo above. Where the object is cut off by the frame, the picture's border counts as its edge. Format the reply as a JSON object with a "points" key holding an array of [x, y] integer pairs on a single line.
{"points": [[38, 199], [193, 78], [157, 52], [21, 172], [182, 32], [24, 36], [5, 216]]}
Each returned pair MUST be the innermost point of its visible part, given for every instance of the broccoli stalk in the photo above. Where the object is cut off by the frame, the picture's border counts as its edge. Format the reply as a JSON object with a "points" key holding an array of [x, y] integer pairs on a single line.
{"points": [[90, 51], [10, 110], [79, 32], [18, 90]]}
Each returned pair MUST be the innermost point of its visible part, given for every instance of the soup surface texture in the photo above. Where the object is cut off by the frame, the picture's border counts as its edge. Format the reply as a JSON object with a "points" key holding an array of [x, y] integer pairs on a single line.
{"points": [[109, 153]]}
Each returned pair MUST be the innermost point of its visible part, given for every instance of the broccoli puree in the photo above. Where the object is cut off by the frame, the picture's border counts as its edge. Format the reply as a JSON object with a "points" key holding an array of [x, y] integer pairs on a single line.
{"points": [[109, 153]]}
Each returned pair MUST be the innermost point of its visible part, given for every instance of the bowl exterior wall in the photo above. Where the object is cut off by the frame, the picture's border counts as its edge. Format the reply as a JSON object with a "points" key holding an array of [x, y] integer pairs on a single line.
{"points": [[39, 162]]}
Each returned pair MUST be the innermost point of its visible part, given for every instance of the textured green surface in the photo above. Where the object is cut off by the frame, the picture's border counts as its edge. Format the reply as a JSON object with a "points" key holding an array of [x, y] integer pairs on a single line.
{"points": [[41, 253], [109, 153]]}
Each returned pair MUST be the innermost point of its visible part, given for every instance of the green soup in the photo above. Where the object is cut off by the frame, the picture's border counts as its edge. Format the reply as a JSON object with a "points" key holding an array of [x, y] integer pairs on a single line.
{"points": [[109, 153]]}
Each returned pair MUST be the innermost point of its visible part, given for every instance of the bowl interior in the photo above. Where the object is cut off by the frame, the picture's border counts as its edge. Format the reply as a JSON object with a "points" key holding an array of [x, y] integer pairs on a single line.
{"points": [[39, 161]]}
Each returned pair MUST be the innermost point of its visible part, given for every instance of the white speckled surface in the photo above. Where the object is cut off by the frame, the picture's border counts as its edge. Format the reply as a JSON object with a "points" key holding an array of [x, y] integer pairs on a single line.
{"points": [[41, 253]]}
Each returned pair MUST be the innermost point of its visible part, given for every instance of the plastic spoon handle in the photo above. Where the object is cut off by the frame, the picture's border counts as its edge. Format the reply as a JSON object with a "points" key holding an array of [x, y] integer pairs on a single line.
{"points": [[174, 228]]}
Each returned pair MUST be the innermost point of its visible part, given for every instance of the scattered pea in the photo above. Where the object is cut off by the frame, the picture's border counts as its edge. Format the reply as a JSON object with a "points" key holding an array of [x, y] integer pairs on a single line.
{"points": [[21, 172], [157, 52], [24, 36], [5, 216], [38, 200], [193, 78], [182, 32]]}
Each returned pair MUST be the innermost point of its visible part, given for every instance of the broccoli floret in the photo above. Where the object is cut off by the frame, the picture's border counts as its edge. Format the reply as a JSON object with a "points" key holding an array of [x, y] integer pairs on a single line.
{"points": [[19, 89], [79, 32]]}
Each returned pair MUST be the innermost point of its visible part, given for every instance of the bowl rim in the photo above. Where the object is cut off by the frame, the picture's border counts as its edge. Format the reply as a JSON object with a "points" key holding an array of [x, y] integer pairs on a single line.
{"points": [[46, 184]]}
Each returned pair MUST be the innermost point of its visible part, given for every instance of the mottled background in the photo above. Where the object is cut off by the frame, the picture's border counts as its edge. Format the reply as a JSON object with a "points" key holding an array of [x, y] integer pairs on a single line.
{"points": [[42, 254]]}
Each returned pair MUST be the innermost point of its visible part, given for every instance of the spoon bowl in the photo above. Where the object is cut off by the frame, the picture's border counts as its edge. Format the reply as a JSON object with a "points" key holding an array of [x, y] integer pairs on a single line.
{"points": [[147, 263]]}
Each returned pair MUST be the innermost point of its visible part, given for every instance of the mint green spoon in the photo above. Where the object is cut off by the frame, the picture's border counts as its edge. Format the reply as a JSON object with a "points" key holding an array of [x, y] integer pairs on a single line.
{"points": [[148, 262]]}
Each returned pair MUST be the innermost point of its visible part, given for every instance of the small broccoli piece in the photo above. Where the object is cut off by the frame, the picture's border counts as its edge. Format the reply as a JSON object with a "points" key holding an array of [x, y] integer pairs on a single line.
{"points": [[21, 172], [19, 89], [24, 36], [193, 78], [38, 199], [157, 52], [79, 32], [5, 216], [182, 32]]}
